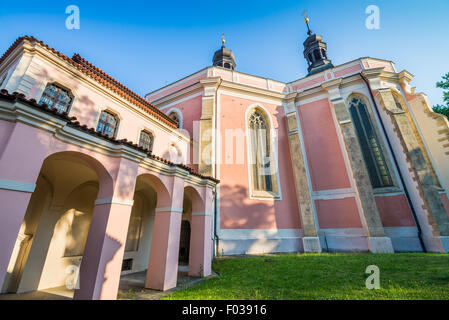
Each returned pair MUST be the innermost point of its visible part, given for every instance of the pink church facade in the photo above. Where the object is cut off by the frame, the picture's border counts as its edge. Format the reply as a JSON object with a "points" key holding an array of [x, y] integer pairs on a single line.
{"points": [[95, 177]]}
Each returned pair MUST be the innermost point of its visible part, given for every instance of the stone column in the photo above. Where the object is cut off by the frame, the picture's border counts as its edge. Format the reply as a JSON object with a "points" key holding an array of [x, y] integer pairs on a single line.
{"points": [[162, 271], [101, 266], [311, 242], [431, 213], [20, 164], [378, 242], [200, 257]]}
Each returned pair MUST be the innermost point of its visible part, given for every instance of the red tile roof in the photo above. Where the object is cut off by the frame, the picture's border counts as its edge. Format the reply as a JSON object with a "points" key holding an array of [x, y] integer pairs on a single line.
{"points": [[101, 77], [72, 121]]}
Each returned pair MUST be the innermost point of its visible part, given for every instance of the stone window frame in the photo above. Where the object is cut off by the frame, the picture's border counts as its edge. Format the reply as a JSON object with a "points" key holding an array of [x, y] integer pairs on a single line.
{"points": [[276, 194], [63, 88], [396, 186], [149, 132], [117, 117]]}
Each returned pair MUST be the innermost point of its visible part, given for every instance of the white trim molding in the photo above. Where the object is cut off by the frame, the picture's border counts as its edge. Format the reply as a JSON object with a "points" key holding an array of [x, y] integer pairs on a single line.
{"points": [[125, 202], [17, 186]]}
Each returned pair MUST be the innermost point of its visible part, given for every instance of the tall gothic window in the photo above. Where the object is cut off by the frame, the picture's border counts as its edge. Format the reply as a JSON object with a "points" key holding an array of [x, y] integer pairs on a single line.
{"points": [[146, 140], [260, 152], [107, 124], [56, 98], [370, 144]]}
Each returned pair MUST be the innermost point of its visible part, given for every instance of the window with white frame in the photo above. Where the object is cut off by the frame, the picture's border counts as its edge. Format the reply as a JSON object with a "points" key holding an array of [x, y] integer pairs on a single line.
{"points": [[107, 124], [56, 98], [261, 155], [146, 140]]}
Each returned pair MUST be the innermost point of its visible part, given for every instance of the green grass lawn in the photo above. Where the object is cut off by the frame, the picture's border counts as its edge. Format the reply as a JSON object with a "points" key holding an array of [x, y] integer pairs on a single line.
{"points": [[324, 276]]}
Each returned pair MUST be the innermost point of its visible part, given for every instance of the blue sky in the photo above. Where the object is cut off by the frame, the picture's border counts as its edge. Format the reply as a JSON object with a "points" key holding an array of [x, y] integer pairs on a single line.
{"points": [[146, 44]]}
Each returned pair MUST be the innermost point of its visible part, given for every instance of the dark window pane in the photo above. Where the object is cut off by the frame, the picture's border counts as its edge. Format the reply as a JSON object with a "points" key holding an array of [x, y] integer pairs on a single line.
{"points": [[370, 145], [56, 98], [107, 124]]}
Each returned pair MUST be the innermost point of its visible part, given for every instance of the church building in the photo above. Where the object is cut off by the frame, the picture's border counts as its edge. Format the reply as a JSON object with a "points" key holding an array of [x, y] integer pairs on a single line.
{"points": [[97, 182]]}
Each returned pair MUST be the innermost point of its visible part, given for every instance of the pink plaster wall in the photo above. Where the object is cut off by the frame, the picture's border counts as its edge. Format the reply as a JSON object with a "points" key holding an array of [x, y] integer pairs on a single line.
{"points": [[325, 159], [237, 210], [191, 111], [445, 200], [5, 130], [348, 70], [394, 211], [338, 213], [304, 84]]}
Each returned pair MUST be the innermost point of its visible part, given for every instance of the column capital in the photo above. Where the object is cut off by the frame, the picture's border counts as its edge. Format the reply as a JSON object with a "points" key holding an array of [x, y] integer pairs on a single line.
{"points": [[333, 89]]}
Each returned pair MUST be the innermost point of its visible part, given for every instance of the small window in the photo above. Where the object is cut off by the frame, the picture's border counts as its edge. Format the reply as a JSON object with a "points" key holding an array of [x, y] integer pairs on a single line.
{"points": [[127, 265], [107, 124], [316, 54], [323, 53], [146, 140], [310, 58], [175, 116], [56, 98]]}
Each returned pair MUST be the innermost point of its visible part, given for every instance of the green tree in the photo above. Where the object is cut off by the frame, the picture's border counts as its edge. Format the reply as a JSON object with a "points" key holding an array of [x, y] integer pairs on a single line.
{"points": [[444, 84]]}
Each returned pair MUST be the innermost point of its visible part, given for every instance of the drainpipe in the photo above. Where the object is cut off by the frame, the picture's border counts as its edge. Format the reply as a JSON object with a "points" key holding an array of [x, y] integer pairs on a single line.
{"points": [[216, 237], [407, 195]]}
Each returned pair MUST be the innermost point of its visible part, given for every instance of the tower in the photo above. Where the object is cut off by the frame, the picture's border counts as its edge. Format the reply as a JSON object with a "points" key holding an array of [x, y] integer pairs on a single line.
{"points": [[315, 51], [224, 57]]}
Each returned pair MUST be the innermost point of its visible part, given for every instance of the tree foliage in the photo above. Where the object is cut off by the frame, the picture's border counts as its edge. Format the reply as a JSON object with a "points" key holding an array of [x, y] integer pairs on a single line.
{"points": [[444, 84]]}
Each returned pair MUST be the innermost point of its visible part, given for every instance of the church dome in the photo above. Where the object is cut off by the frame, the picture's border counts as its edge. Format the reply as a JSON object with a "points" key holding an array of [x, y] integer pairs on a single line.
{"points": [[224, 57]]}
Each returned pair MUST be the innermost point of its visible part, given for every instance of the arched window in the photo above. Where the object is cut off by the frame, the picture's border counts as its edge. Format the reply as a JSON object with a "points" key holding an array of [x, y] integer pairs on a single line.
{"points": [[107, 124], [175, 116], [370, 144], [316, 55], [260, 152], [146, 140], [323, 53], [56, 98]]}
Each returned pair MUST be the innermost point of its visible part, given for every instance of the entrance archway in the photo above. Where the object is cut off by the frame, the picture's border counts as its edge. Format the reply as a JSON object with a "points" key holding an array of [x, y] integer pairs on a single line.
{"points": [[51, 240]]}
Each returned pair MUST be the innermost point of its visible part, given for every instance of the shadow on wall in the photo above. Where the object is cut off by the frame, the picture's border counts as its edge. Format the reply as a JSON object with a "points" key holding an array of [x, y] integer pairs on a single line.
{"points": [[238, 211]]}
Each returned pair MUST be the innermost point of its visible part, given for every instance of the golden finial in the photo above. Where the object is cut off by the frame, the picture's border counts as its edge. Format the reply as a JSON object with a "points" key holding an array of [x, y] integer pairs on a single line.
{"points": [[223, 40], [306, 20]]}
